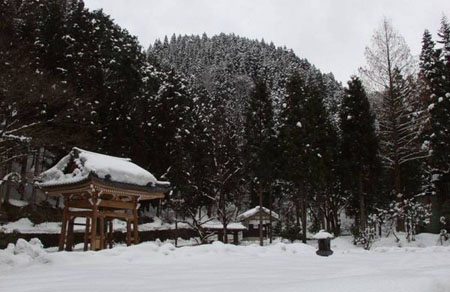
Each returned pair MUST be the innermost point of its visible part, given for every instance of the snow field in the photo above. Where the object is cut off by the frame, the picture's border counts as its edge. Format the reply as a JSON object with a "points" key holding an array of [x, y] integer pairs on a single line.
{"points": [[156, 266]]}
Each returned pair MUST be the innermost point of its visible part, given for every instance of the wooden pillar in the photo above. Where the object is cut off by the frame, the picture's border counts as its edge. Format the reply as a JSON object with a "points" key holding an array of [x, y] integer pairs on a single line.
{"points": [[102, 231], [135, 223], [69, 241], [94, 221], [62, 236], [86, 234], [128, 232], [111, 234]]}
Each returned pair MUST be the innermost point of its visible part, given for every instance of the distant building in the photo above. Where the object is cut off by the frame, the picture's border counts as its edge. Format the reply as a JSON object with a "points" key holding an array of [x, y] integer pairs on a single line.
{"points": [[251, 220], [235, 231]]}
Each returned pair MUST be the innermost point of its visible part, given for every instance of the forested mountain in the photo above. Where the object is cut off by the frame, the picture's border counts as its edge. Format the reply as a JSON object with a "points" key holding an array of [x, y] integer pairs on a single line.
{"points": [[226, 68], [234, 62]]}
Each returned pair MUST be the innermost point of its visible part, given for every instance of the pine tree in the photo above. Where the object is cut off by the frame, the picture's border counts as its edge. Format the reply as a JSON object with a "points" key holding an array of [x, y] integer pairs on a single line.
{"points": [[359, 146], [293, 144], [320, 156], [260, 142], [435, 68]]}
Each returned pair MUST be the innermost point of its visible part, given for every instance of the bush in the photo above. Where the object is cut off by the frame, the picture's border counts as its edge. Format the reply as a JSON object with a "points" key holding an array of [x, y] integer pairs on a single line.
{"points": [[292, 233]]}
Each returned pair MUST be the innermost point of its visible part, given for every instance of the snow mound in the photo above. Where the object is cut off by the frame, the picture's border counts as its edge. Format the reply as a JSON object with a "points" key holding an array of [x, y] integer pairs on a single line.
{"points": [[23, 253]]}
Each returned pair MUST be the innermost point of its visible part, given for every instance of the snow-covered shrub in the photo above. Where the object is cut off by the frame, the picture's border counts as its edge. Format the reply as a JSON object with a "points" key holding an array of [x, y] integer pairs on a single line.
{"points": [[366, 237], [409, 212], [443, 235]]}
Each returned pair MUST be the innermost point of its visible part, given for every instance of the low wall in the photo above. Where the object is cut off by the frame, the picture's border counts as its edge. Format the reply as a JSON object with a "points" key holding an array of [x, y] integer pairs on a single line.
{"points": [[49, 240]]}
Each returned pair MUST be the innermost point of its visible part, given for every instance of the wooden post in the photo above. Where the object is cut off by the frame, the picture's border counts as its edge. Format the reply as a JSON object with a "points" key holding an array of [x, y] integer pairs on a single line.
{"points": [[86, 234], [135, 223], [62, 236], [128, 232], [94, 221], [102, 232], [69, 241], [111, 234]]}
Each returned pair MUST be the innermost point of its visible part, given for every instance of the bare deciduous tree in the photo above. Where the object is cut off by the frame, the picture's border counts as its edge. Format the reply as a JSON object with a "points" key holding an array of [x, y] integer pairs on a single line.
{"points": [[389, 75]]}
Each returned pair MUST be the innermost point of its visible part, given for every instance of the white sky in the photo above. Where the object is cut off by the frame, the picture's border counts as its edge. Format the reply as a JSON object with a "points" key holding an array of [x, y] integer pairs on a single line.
{"points": [[331, 34]]}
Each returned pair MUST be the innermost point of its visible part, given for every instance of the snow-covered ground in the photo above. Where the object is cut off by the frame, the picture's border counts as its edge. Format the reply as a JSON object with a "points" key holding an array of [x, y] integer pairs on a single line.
{"points": [[155, 266]]}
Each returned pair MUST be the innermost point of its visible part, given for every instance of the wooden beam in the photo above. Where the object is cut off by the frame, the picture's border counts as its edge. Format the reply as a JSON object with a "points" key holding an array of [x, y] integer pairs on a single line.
{"points": [[86, 234], [111, 234], [86, 204], [80, 213], [128, 233], [69, 241], [94, 222], [116, 204], [82, 204], [135, 223], [102, 232], [62, 236], [99, 185], [116, 214]]}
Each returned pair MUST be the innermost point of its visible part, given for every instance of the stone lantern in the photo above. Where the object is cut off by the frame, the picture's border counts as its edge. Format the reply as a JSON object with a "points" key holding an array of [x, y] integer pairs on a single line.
{"points": [[323, 239]]}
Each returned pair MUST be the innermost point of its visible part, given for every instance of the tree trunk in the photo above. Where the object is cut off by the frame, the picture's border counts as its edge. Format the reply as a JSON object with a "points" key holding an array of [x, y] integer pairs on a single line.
{"points": [[362, 204], [23, 173], [7, 188], [37, 170], [304, 212], [176, 230], [261, 237], [225, 233], [398, 194], [270, 217], [7, 193], [297, 210]]}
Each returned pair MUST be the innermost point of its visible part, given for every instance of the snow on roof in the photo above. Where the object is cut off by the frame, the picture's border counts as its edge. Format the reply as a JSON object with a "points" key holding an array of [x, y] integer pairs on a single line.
{"points": [[251, 212], [115, 169], [219, 225], [322, 234]]}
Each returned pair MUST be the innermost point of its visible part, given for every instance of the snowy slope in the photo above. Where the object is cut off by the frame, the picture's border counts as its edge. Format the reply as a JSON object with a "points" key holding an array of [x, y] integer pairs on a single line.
{"points": [[218, 267]]}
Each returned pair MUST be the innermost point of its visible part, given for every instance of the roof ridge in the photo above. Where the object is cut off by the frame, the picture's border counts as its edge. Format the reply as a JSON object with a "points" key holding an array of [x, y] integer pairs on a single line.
{"points": [[100, 154]]}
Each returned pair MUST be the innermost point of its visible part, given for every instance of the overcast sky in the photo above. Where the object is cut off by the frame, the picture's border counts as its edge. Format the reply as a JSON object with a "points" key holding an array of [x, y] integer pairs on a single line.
{"points": [[331, 34]]}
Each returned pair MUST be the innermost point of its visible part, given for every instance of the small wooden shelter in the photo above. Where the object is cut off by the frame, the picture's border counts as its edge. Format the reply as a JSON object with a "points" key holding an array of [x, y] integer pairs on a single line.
{"points": [[99, 188], [251, 220], [234, 229]]}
